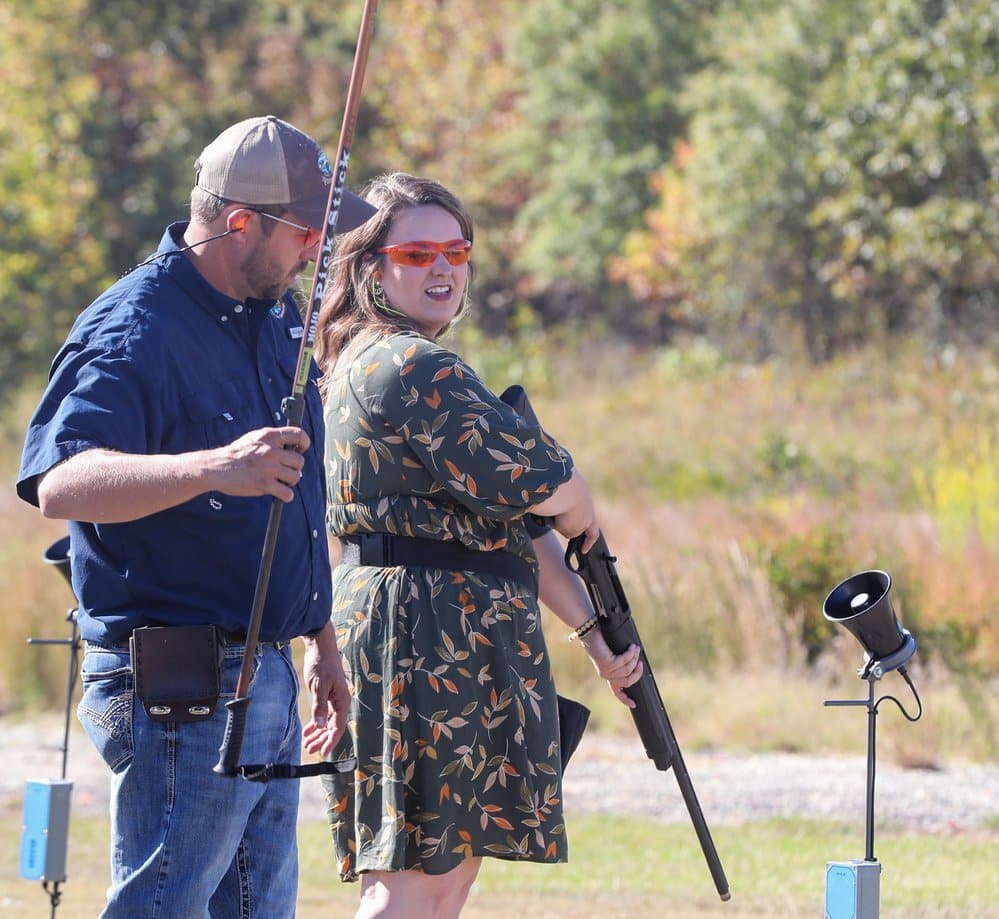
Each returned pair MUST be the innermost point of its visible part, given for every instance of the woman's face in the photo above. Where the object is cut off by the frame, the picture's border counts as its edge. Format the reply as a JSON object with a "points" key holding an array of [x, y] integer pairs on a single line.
{"points": [[430, 295]]}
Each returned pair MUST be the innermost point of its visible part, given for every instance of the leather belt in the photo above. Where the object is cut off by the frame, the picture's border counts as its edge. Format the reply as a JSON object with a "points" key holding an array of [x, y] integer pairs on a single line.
{"points": [[227, 637], [239, 638], [388, 549]]}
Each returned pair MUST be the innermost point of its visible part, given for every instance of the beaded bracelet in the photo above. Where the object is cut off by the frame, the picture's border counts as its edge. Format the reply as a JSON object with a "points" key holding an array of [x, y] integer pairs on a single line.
{"points": [[584, 629]]}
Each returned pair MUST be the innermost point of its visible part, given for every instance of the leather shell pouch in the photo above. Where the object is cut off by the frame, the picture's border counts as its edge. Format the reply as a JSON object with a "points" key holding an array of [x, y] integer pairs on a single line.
{"points": [[177, 671]]}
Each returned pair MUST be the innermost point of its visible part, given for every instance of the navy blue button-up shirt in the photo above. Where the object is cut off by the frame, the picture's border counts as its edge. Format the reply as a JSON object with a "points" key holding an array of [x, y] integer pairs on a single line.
{"points": [[163, 363]]}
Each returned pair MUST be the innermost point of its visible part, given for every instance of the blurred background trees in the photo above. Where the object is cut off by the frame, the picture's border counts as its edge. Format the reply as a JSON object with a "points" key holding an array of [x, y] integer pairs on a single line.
{"points": [[778, 176], [766, 233]]}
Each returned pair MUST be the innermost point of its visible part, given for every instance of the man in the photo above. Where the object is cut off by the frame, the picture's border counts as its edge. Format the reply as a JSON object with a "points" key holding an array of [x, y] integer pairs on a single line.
{"points": [[160, 439]]}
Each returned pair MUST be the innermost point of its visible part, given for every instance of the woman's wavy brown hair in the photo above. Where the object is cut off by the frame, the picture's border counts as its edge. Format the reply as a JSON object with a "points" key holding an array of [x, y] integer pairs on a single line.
{"points": [[348, 307]]}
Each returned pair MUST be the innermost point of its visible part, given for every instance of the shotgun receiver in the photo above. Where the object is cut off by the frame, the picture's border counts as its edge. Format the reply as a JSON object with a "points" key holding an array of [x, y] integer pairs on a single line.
{"points": [[599, 574]]}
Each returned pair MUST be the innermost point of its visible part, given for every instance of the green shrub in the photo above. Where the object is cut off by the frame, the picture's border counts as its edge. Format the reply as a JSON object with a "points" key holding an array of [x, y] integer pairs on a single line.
{"points": [[803, 569]]}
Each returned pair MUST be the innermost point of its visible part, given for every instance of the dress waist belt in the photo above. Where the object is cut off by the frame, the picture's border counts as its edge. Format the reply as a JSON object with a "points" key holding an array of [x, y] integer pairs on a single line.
{"points": [[387, 549]]}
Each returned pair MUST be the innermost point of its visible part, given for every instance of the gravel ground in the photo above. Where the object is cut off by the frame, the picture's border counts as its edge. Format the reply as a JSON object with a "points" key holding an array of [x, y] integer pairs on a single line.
{"points": [[613, 775]]}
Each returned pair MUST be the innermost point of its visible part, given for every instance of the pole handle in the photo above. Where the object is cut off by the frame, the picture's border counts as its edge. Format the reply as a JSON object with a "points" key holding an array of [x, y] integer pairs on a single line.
{"points": [[294, 404], [232, 740]]}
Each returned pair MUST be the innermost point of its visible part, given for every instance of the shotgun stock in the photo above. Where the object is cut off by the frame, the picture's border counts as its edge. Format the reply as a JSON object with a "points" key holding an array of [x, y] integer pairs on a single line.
{"points": [[599, 574]]}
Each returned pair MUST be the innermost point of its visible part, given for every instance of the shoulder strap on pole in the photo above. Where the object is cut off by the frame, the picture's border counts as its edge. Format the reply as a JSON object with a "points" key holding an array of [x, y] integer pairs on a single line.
{"points": [[264, 773]]}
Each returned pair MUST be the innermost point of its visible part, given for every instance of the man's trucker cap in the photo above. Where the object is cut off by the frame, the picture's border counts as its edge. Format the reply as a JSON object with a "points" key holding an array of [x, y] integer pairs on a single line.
{"points": [[266, 161]]}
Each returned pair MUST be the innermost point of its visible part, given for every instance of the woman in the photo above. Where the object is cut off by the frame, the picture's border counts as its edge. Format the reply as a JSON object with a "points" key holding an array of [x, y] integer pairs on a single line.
{"points": [[453, 716]]}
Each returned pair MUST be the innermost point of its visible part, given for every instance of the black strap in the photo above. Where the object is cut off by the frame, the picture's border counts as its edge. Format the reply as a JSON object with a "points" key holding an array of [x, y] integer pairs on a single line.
{"points": [[387, 549], [264, 773]]}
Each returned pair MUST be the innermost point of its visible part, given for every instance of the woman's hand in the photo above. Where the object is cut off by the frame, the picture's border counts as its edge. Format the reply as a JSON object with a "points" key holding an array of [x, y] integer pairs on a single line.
{"points": [[619, 670], [571, 511], [572, 524]]}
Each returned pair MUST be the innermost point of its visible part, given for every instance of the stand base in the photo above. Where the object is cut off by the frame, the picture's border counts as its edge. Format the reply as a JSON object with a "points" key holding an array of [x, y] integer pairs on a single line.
{"points": [[853, 890]]}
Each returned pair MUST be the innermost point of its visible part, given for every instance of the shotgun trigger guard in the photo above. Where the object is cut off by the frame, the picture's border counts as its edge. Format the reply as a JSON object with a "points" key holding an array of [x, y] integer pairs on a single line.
{"points": [[574, 558]]}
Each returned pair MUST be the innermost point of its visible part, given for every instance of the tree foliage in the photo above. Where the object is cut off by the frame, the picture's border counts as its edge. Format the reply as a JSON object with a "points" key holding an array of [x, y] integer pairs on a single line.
{"points": [[47, 183], [846, 168], [763, 172], [909, 155], [599, 113]]}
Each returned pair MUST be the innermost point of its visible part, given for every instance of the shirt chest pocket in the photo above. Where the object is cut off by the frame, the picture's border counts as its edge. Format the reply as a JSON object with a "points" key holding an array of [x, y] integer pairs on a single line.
{"points": [[218, 414]]}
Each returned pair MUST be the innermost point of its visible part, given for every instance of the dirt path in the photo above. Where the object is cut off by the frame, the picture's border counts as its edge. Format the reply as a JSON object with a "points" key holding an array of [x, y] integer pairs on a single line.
{"points": [[613, 775]]}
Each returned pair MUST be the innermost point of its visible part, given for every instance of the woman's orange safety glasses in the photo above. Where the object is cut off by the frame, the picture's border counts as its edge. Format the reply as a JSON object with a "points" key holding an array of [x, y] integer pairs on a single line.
{"points": [[422, 253]]}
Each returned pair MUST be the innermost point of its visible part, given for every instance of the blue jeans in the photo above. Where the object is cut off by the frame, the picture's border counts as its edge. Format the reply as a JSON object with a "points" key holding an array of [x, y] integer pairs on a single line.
{"points": [[187, 843]]}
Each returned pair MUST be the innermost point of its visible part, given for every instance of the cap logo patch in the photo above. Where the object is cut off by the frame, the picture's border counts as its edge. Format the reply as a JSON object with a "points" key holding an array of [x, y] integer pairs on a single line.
{"points": [[324, 165]]}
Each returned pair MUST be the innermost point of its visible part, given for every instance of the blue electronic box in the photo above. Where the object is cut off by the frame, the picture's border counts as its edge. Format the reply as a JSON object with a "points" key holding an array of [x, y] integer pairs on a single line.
{"points": [[46, 829], [852, 890]]}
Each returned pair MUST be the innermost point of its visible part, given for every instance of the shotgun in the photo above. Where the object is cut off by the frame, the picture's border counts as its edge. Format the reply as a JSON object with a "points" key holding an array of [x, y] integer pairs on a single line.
{"points": [[599, 574]]}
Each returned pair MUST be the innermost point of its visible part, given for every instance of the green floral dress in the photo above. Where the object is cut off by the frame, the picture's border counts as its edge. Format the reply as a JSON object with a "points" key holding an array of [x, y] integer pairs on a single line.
{"points": [[453, 716]]}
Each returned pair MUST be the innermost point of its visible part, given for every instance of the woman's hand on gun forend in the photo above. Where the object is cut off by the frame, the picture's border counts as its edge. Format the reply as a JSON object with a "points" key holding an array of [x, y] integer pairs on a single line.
{"points": [[619, 670]]}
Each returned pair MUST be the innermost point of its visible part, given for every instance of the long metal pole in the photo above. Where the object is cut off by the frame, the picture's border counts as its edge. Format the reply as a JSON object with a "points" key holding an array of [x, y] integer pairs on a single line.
{"points": [[294, 405], [872, 714]]}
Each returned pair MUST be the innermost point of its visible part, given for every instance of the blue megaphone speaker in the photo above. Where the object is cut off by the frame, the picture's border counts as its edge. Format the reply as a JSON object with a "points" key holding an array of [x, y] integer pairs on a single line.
{"points": [[861, 604]]}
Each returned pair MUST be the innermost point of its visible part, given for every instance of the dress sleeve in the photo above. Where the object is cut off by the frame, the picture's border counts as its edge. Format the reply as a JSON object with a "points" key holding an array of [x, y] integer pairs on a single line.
{"points": [[484, 454]]}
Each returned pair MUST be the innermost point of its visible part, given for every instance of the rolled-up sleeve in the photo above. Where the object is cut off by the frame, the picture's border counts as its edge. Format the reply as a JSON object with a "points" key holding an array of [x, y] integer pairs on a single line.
{"points": [[96, 397]]}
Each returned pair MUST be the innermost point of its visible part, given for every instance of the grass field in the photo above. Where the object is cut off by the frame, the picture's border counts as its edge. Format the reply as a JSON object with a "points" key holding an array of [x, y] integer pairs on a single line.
{"points": [[735, 498], [618, 869]]}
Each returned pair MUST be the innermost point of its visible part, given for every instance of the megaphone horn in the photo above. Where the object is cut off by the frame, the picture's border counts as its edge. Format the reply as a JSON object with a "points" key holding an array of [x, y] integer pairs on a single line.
{"points": [[861, 604], [58, 554]]}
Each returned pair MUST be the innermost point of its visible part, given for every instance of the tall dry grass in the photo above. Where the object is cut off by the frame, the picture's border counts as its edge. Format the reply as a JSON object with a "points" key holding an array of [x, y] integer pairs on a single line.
{"points": [[735, 498]]}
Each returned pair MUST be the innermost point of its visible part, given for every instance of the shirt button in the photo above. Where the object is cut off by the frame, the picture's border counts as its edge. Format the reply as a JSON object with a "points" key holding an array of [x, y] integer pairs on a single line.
{"points": [[238, 308], [315, 534], [315, 596], [225, 318], [277, 416]]}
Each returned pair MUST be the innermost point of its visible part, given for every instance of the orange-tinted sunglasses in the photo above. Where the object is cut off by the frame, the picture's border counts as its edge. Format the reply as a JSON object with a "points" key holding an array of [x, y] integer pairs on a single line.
{"points": [[422, 254]]}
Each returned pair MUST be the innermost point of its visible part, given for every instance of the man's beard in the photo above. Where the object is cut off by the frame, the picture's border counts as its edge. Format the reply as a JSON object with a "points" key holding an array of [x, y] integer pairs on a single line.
{"points": [[264, 277]]}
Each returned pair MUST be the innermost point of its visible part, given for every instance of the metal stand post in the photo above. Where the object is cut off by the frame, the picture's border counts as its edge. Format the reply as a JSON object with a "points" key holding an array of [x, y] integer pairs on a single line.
{"points": [[55, 809], [853, 889], [872, 714]]}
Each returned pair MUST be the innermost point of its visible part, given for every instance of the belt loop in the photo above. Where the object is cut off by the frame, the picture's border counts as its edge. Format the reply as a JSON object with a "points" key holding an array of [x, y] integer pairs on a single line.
{"points": [[370, 549], [388, 556]]}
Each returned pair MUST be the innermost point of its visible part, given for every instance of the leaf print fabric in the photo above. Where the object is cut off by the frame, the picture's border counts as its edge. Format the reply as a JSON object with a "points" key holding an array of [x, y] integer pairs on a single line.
{"points": [[453, 716]]}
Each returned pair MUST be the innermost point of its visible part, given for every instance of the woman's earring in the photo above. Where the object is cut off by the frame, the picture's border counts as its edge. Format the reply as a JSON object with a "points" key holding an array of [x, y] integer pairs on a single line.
{"points": [[381, 301], [466, 301]]}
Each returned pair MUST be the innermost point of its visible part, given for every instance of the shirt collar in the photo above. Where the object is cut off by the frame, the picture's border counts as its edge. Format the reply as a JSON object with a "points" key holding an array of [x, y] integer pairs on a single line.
{"points": [[182, 270]]}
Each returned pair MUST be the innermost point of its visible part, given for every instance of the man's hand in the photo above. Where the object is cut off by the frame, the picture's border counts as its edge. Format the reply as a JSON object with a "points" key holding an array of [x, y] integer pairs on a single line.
{"points": [[267, 461], [325, 680], [103, 486]]}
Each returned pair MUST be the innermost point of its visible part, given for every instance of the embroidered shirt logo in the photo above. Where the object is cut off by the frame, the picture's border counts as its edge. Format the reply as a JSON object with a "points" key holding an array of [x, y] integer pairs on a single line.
{"points": [[324, 165], [277, 310], [215, 504]]}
